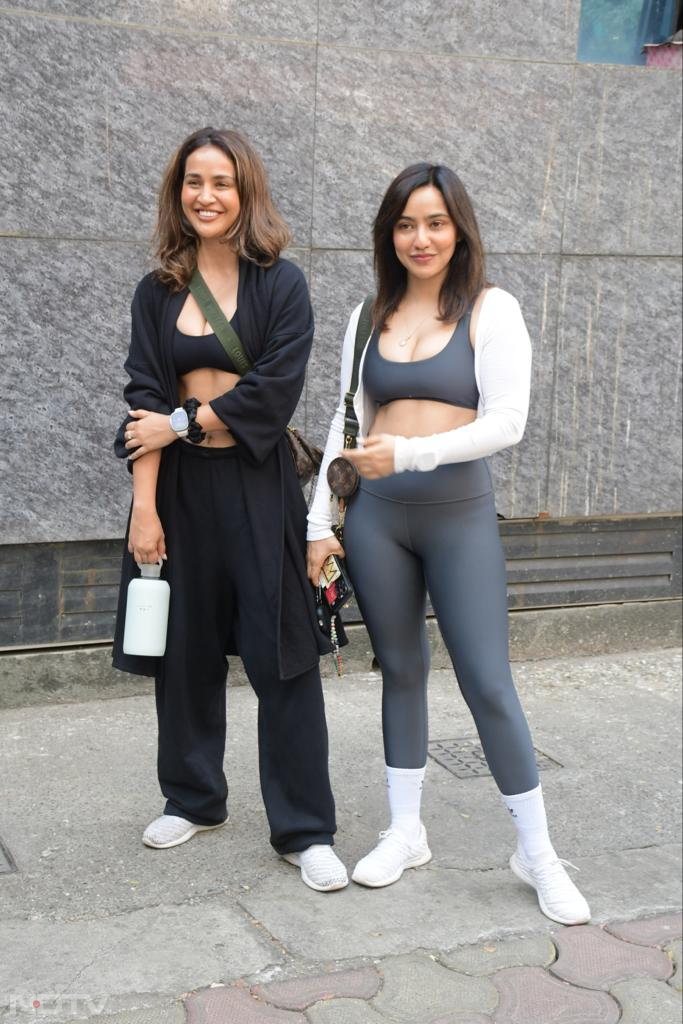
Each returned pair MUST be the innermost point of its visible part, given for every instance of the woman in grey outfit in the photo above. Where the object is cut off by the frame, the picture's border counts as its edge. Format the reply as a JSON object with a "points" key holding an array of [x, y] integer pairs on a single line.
{"points": [[444, 383]]}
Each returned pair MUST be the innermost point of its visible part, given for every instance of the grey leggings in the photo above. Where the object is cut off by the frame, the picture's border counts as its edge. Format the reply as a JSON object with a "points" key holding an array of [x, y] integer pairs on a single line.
{"points": [[413, 533]]}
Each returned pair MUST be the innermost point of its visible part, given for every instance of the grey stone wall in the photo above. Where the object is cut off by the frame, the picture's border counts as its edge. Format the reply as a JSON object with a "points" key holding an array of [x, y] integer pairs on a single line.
{"points": [[574, 171]]}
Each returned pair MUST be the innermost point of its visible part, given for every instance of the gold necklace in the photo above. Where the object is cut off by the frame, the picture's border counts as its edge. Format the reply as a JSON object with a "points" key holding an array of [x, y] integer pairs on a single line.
{"points": [[402, 344]]}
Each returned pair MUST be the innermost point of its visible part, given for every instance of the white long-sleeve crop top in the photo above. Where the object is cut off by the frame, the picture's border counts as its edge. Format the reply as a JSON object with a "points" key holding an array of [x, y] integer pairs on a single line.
{"points": [[502, 368]]}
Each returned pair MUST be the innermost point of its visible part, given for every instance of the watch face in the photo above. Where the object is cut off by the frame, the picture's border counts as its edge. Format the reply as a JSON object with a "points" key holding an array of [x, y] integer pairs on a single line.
{"points": [[179, 420]]}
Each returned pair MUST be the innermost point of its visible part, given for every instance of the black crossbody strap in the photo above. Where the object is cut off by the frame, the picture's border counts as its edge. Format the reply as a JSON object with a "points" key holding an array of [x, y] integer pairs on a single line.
{"points": [[221, 325], [362, 334]]}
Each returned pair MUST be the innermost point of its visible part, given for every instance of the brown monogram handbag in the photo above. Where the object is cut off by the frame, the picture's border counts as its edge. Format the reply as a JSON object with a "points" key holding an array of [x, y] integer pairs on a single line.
{"points": [[307, 457]]}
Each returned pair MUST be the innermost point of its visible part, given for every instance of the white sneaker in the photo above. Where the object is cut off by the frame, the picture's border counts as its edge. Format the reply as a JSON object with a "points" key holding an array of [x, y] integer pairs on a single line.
{"points": [[558, 897], [320, 866], [169, 830], [393, 854]]}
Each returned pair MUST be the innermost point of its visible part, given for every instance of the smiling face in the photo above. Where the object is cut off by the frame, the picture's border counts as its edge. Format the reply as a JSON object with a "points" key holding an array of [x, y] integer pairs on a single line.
{"points": [[209, 196], [424, 235]]}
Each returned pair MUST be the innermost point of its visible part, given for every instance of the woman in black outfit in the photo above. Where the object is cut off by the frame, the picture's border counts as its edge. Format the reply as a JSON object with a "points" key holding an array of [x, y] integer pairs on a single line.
{"points": [[223, 508]]}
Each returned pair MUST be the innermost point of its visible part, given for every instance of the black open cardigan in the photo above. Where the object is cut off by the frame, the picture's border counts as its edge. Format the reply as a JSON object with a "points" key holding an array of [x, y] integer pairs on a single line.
{"points": [[276, 330]]}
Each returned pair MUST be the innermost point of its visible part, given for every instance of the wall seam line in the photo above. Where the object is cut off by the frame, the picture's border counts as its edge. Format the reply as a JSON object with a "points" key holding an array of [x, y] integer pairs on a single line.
{"points": [[76, 19], [313, 170], [560, 290], [536, 253]]}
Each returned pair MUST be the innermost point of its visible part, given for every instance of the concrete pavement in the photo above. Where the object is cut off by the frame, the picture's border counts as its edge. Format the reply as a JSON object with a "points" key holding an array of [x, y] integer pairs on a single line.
{"points": [[94, 926]]}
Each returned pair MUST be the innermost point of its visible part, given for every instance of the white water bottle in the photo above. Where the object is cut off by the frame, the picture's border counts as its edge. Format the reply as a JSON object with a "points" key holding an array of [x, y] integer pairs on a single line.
{"points": [[147, 613]]}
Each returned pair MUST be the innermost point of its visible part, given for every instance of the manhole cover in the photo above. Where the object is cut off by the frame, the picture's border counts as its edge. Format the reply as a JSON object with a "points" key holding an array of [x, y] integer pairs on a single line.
{"points": [[7, 864], [464, 757]]}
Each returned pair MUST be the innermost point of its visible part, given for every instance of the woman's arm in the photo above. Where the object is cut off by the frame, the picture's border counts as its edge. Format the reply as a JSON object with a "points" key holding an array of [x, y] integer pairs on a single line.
{"points": [[151, 431], [503, 354], [146, 535], [320, 515], [144, 389]]}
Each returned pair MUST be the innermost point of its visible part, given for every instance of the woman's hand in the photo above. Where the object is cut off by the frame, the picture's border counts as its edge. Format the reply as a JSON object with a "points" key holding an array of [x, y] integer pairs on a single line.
{"points": [[146, 541], [150, 432], [375, 458], [318, 550]]}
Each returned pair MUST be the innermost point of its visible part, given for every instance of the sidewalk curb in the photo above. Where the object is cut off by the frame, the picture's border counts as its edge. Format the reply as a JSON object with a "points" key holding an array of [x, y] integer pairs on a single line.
{"points": [[67, 675]]}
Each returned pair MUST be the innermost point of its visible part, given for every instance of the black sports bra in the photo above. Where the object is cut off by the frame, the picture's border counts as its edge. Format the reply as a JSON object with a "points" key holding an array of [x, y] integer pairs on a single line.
{"points": [[446, 377], [201, 351]]}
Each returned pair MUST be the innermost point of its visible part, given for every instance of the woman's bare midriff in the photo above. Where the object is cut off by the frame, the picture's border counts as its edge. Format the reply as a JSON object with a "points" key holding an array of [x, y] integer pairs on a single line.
{"points": [[205, 385], [419, 417]]}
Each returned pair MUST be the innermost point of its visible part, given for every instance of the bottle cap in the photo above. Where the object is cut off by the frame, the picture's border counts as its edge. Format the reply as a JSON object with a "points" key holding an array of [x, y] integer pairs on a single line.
{"points": [[150, 570]]}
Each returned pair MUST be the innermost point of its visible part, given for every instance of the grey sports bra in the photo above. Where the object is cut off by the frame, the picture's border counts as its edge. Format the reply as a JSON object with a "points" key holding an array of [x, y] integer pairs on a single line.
{"points": [[446, 377]]}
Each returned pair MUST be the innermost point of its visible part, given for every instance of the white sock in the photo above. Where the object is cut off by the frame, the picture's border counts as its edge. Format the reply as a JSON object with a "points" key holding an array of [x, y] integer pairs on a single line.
{"points": [[528, 813], [404, 789]]}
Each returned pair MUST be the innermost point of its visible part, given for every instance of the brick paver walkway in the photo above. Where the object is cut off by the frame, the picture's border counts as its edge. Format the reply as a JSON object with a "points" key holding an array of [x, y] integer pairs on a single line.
{"points": [[625, 972]]}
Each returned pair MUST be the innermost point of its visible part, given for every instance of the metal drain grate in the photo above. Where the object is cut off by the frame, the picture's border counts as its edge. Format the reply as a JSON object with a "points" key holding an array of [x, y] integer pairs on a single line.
{"points": [[7, 865], [464, 757]]}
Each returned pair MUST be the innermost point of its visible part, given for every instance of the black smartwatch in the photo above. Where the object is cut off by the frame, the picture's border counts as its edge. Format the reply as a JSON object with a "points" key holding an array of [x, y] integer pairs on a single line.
{"points": [[194, 430]]}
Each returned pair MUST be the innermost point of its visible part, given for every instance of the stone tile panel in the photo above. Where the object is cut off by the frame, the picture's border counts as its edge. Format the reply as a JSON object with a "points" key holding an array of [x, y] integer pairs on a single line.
{"points": [[520, 473], [300, 993], [501, 126], [624, 171], [618, 360], [529, 996], [417, 988], [650, 931], [275, 18], [642, 999], [488, 957], [93, 116], [65, 325], [339, 282], [591, 958], [235, 1005], [536, 30]]}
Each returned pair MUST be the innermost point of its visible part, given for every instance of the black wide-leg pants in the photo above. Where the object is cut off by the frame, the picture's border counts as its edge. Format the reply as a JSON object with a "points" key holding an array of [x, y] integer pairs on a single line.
{"points": [[216, 591]]}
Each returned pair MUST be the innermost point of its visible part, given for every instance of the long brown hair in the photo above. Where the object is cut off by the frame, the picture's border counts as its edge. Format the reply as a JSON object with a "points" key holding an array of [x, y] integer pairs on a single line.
{"points": [[259, 234], [467, 270]]}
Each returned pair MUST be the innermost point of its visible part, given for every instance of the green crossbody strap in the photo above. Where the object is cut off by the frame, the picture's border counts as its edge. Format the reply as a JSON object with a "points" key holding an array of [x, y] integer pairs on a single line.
{"points": [[221, 325], [362, 334]]}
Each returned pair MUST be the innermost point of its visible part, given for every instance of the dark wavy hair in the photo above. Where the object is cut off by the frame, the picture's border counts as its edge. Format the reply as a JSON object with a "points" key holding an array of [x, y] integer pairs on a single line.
{"points": [[259, 234], [467, 271]]}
